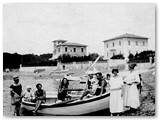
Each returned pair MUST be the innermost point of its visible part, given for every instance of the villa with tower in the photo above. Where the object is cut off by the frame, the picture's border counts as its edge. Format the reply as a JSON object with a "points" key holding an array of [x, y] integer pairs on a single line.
{"points": [[61, 47]]}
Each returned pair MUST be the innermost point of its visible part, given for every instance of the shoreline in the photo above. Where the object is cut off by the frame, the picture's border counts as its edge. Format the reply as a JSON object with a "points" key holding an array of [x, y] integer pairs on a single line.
{"points": [[147, 97]]}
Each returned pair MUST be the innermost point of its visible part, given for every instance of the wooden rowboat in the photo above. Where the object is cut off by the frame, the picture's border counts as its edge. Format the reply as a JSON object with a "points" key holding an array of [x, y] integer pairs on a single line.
{"points": [[71, 107]]}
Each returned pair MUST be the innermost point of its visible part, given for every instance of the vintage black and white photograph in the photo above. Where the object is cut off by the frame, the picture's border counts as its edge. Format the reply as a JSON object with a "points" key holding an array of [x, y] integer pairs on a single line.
{"points": [[79, 59]]}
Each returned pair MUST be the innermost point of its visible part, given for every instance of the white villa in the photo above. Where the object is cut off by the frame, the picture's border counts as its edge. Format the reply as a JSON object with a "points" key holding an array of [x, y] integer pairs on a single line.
{"points": [[61, 47], [124, 44]]}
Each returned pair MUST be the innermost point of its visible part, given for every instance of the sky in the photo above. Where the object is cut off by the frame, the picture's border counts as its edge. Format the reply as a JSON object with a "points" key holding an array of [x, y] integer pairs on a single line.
{"points": [[31, 28]]}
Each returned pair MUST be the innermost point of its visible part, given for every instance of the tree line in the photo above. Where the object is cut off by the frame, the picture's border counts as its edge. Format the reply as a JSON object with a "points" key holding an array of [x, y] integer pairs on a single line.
{"points": [[13, 61], [142, 57], [65, 58], [138, 57]]}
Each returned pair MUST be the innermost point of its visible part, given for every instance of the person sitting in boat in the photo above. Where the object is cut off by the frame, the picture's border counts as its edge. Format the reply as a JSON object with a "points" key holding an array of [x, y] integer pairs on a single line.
{"points": [[89, 86], [108, 76], [28, 95], [62, 90], [40, 97], [102, 84], [94, 86], [107, 79]]}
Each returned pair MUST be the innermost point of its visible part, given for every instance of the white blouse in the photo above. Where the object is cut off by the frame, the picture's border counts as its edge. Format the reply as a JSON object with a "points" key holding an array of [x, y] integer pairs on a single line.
{"points": [[132, 77], [116, 82]]}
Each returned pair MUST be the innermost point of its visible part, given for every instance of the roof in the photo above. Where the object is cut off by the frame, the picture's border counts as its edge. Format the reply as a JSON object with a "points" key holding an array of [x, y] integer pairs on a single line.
{"points": [[127, 35], [72, 44], [59, 40]]}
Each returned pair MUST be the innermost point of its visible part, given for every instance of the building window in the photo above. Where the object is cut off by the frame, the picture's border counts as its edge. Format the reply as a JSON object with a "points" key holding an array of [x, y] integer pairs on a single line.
{"points": [[119, 43], [65, 49], [82, 50], [143, 43], [129, 43], [136, 42], [107, 45], [74, 49], [59, 49], [113, 44]]}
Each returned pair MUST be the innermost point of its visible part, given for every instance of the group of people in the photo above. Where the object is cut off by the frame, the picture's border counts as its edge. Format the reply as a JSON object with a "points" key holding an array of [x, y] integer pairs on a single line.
{"points": [[123, 91], [96, 85], [17, 95]]}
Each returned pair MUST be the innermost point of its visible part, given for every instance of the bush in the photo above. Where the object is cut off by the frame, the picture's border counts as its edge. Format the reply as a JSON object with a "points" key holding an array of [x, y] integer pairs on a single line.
{"points": [[67, 58], [13, 61], [142, 57], [119, 56]]}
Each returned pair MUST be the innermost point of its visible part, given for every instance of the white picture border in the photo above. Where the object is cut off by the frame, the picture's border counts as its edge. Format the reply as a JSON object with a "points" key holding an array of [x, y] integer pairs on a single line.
{"points": [[81, 1]]}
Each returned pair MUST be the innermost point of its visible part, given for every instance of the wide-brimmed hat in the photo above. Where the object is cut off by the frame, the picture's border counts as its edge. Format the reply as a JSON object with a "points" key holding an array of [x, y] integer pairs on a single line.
{"points": [[15, 78], [28, 86], [115, 70]]}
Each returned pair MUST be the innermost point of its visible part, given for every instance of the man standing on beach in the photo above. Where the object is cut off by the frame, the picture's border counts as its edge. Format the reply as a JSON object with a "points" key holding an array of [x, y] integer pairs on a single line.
{"points": [[15, 92]]}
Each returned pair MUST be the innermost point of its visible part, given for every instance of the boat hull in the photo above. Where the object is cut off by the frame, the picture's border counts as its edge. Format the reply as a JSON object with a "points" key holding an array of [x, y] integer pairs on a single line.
{"points": [[73, 108]]}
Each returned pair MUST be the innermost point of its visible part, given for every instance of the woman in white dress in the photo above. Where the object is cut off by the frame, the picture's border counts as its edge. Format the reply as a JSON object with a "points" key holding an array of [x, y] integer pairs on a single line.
{"points": [[116, 99], [131, 94]]}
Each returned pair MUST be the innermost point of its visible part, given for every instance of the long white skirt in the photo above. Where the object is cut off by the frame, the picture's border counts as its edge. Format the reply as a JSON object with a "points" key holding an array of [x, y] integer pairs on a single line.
{"points": [[116, 101], [131, 96]]}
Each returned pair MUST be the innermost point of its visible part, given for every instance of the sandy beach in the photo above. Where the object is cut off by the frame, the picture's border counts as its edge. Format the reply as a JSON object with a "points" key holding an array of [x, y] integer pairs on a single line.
{"points": [[50, 84]]}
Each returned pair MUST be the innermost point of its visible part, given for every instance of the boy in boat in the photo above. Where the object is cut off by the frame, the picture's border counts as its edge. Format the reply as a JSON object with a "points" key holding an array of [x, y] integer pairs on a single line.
{"points": [[89, 86], [28, 95], [108, 76], [107, 79], [101, 84], [40, 97]]}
